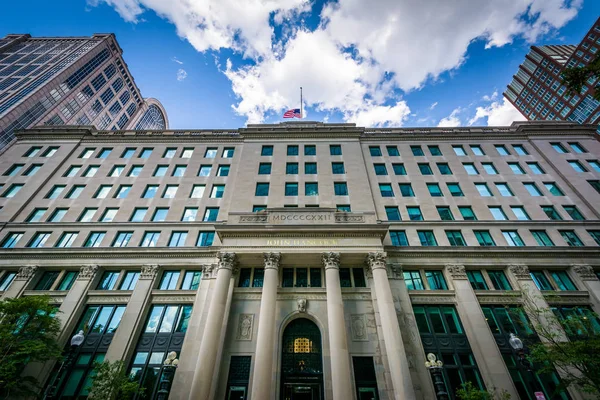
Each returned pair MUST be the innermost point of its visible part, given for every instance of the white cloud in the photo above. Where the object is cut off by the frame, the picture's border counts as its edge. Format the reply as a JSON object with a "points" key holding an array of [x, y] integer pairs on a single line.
{"points": [[360, 54], [174, 59], [431, 107], [498, 114], [493, 97], [181, 74], [452, 120]]}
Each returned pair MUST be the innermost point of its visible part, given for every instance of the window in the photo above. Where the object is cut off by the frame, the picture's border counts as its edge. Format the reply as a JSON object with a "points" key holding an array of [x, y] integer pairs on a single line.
{"points": [[189, 214], [532, 189], [577, 148], [542, 238], [262, 189], [15, 168], [91, 171], [7, 279], [310, 168], [386, 190], [343, 207], [210, 214], [571, 238], [375, 151], [470, 168], [311, 189], [501, 149], [129, 152], [553, 189], [291, 189], [540, 280], [160, 214], [169, 280], [477, 150], [75, 191], [335, 150], [218, 190], [520, 149], [434, 150], [129, 280], [477, 280], [577, 166], [310, 150], [551, 213], [417, 151], [205, 239], [264, 169], [177, 239], [104, 153], [116, 171], [123, 191], [520, 213], [136, 170], [46, 280], [499, 280], [210, 152], [66, 239], [228, 152], [484, 238], [558, 148], [94, 239], [392, 213], [434, 190], [102, 191], [595, 165], [191, 280], [32, 169], [146, 152], [138, 214], [292, 150], [458, 150], [338, 168], [32, 152], [170, 191], [197, 191], [445, 213], [436, 280], [427, 238], [405, 189], [398, 238], [204, 170], [87, 214], [595, 185], [399, 169], [467, 213], [596, 236], [489, 168], [36, 215], [11, 240], [12, 190], [513, 238], [150, 239], [414, 213], [483, 189], [504, 189], [455, 238], [122, 239], [574, 213], [266, 151], [535, 168], [516, 168], [444, 169], [57, 215], [455, 190], [413, 280], [150, 192], [393, 151], [86, 153], [291, 168], [179, 170]]}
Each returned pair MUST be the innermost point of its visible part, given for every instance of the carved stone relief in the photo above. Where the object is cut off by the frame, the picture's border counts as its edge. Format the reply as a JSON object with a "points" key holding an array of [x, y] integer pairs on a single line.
{"points": [[395, 271], [376, 260], [227, 260], [207, 271], [585, 272], [149, 271], [456, 271], [358, 325], [87, 272], [25, 273], [330, 259], [245, 324], [302, 303], [520, 271], [272, 260]]}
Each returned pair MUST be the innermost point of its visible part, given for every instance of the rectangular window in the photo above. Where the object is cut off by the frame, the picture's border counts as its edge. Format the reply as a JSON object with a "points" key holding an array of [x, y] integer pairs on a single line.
{"points": [[595, 165], [467, 213], [558, 148], [291, 168], [455, 190], [414, 213], [75, 191], [476, 280], [540, 280], [338, 168], [123, 191], [436, 280], [94, 239], [186, 153], [138, 214], [58, 215], [595, 185], [12, 190], [425, 169], [444, 169], [398, 238], [150, 239], [264, 169], [177, 239], [310, 168], [32, 152], [455, 238], [189, 214], [483, 189], [535, 168], [596, 236], [311, 189], [108, 280], [571, 238], [122, 239], [86, 153], [46, 280], [375, 151], [104, 153], [532, 189], [520, 149], [434, 190], [292, 150], [417, 151], [129, 280], [445, 213], [458, 150], [516, 168], [160, 214], [204, 170], [211, 214], [427, 238], [197, 191], [392, 213], [228, 152], [413, 280], [499, 280], [477, 150], [150, 192], [91, 171], [576, 165], [211, 152], [335, 150], [577, 148], [399, 169], [87, 215], [15, 168], [39, 239], [116, 171], [542, 238], [393, 151], [266, 150], [129, 152], [489, 168], [146, 152], [262, 189], [36, 215], [66, 239], [136, 170], [205, 239], [405, 189], [386, 190], [179, 170], [504, 189], [11, 240], [169, 280], [191, 280], [470, 168], [574, 213], [343, 207], [513, 238], [217, 191], [551, 213], [520, 213], [310, 150], [291, 189], [553, 189], [501, 149], [67, 280], [32, 170], [102, 192], [484, 238], [170, 191], [434, 150]]}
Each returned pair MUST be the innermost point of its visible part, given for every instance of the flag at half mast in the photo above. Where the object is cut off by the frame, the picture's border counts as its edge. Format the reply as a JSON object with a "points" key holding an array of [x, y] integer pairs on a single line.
{"points": [[293, 113]]}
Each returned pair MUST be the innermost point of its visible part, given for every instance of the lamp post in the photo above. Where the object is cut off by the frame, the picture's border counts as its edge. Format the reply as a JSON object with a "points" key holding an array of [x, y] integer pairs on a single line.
{"points": [[435, 369], [76, 341], [518, 347], [169, 367]]}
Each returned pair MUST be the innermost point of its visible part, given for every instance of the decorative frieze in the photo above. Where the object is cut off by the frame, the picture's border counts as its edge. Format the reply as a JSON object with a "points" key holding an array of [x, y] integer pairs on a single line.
{"points": [[456, 271], [254, 218], [245, 324], [227, 261], [376, 260], [331, 259], [349, 218], [207, 271], [395, 271], [272, 260], [358, 327], [87, 272], [26, 273], [520, 271], [585, 272], [149, 271]]}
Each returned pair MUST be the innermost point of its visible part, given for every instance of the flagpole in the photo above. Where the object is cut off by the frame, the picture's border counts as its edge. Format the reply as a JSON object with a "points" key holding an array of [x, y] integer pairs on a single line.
{"points": [[301, 115]]}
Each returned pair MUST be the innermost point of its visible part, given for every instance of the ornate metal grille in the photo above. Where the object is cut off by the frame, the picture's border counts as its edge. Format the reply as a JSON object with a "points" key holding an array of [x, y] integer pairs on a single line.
{"points": [[302, 349]]}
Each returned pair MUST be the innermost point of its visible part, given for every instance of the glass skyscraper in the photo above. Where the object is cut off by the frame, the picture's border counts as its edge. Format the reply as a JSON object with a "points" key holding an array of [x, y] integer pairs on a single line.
{"points": [[70, 81]]}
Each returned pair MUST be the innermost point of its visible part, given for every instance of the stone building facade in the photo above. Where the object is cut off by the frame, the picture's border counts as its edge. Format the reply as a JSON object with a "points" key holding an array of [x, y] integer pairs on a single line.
{"points": [[303, 260]]}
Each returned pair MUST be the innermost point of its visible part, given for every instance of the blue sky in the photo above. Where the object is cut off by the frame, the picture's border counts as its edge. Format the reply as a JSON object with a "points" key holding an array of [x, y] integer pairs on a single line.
{"points": [[376, 63]]}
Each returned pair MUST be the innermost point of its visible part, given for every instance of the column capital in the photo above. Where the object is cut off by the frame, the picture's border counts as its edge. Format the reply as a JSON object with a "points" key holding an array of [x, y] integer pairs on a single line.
{"points": [[520, 271], [149, 271], [88, 272], [331, 259], [272, 260], [585, 272], [456, 271], [376, 260], [26, 272], [227, 261]]}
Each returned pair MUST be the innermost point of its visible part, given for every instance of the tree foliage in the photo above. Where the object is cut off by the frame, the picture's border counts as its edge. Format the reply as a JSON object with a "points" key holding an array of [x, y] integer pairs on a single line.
{"points": [[574, 78], [110, 382], [28, 333], [469, 392]]}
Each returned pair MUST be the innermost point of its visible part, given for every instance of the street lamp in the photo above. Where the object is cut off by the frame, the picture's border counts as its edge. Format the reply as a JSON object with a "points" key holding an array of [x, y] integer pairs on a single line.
{"points": [[518, 347], [435, 369], [169, 367], [76, 341]]}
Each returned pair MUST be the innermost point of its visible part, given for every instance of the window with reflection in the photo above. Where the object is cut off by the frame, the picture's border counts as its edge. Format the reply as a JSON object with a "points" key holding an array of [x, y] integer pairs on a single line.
{"points": [[301, 277]]}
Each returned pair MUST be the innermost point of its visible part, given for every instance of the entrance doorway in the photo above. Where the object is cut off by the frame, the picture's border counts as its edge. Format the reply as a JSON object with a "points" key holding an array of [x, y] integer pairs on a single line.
{"points": [[301, 361]]}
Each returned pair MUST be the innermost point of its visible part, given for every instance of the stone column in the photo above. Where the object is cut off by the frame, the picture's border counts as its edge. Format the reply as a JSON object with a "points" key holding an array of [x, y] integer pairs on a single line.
{"points": [[482, 341], [210, 345], [341, 381], [394, 346], [133, 317], [590, 281], [263, 379], [17, 287]]}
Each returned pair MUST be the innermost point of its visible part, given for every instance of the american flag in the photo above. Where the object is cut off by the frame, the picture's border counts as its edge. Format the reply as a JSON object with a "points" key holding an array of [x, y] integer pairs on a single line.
{"points": [[293, 113]]}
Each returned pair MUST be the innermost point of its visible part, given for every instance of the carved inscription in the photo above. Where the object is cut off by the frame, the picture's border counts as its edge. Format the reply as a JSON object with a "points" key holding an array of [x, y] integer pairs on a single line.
{"points": [[302, 242]]}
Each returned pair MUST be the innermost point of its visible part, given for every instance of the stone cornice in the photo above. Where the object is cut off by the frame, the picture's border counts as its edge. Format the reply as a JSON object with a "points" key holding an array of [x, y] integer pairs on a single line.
{"points": [[492, 252]]}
